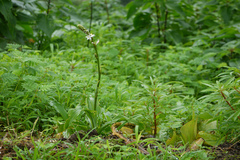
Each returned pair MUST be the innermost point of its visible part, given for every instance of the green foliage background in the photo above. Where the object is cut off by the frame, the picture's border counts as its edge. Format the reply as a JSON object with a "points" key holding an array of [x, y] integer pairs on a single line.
{"points": [[173, 58]]}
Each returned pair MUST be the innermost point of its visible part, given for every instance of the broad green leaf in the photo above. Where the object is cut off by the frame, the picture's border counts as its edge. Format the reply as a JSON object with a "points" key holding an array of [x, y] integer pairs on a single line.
{"points": [[59, 108], [173, 140], [45, 23], [200, 67], [142, 20], [175, 6], [208, 126], [133, 7], [225, 33], [5, 9], [72, 116], [141, 33], [67, 1], [189, 131], [92, 117], [3, 43], [210, 139], [226, 13], [73, 15], [175, 35], [222, 65], [205, 115]]}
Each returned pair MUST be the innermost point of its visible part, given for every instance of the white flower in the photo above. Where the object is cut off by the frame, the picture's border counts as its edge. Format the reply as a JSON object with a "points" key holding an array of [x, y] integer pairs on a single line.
{"points": [[97, 41], [89, 37]]}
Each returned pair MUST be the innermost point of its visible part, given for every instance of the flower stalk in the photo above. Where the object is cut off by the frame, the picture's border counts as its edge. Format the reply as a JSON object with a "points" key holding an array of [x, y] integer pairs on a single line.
{"points": [[90, 38]]}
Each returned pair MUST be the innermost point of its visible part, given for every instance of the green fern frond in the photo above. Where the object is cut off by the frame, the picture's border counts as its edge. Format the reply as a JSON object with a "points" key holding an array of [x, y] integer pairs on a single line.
{"points": [[9, 78]]}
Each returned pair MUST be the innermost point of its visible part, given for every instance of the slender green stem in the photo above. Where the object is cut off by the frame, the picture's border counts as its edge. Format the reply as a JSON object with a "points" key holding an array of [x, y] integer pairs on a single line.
{"points": [[165, 26], [107, 11], [158, 18], [89, 36], [99, 77], [90, 25]]}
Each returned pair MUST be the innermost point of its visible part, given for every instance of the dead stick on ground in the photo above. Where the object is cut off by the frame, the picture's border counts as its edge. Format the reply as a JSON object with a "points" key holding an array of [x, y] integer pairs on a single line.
{"points": [[127, 141]]}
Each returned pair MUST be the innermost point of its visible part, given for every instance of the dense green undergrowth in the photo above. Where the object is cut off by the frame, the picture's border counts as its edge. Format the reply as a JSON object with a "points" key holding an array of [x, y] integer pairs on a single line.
{"points": [[165, 89]]}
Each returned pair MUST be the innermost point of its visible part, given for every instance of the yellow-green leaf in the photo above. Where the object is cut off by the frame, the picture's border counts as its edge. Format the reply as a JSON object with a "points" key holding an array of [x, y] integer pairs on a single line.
{"points": [[189, 131], [210, 139], [172, 140]]}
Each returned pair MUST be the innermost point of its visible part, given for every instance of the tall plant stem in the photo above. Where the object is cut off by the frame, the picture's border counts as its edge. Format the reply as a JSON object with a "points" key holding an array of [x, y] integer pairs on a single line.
{"points": [[158, 18], [107, 11], [90, 23], [99, 77], [42, 34], [237, 90], [154, 114], [223, 95], [165, 26], [89, 37], [48, 10]]}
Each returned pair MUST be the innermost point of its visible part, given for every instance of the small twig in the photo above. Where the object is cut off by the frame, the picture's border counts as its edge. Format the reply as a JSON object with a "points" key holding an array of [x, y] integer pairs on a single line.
{"points": [[233, 145], [34, 124], [228, 102], [127, 141], [236, 90]]}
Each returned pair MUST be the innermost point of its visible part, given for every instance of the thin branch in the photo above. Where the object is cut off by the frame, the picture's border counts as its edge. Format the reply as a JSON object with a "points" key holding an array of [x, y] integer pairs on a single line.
{"points": [[236, 90], [228, 102], [48, 10]]}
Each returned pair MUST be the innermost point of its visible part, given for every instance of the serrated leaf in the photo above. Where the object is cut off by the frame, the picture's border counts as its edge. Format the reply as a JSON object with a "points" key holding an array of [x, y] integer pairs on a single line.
{"points": [[9, 78], [30, 86], [29, 78], [45, 23]]}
